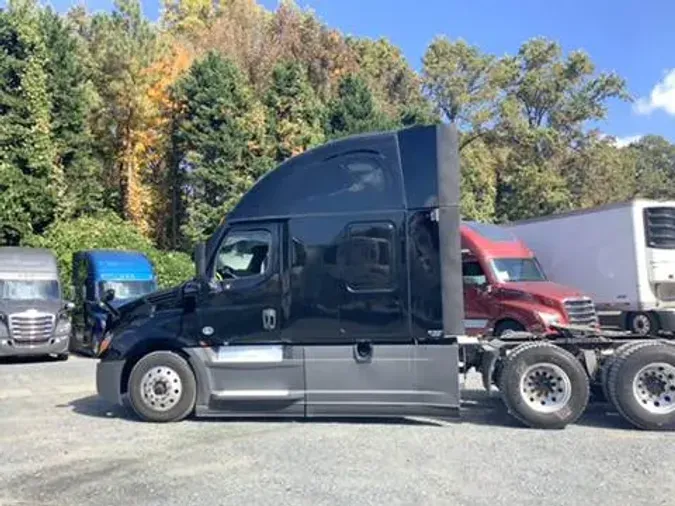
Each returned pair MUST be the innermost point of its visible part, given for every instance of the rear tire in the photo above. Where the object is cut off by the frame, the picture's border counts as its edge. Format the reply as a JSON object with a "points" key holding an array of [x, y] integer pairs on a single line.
{"points": [[544, 386], [162, 387], [606, 370], [643, 324], [642, 385]]}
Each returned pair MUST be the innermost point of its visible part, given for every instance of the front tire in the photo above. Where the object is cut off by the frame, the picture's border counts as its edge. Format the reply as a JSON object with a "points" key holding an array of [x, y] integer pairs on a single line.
{"points": [[162, 387], [507, 327], [642, 385], [544, 386]]}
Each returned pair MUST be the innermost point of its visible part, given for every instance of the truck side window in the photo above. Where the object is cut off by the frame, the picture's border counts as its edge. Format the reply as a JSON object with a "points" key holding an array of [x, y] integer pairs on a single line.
{"points": [[367, 256], [243, 254], [473, 273]]}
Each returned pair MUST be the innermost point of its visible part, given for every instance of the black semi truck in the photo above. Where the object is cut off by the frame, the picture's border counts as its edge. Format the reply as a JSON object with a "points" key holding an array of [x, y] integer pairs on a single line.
{"points": [[334, 288]]}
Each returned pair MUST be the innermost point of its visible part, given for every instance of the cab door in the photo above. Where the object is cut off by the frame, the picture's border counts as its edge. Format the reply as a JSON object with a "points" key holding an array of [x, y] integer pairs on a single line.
{"points": [[477, 301], [250, 369], [369, 369]]}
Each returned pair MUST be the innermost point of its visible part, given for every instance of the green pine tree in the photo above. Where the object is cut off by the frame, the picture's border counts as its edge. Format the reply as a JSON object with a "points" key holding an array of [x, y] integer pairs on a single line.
{"points": [[353, 110], [72, 95], [27, 150], [218, 143], [295, 115]]}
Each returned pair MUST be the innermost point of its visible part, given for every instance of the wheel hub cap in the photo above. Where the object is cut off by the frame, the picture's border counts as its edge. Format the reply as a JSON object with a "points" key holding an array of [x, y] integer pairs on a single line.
{"points": [[642, 324], [161, 388], [545, 387], [654, 388]]}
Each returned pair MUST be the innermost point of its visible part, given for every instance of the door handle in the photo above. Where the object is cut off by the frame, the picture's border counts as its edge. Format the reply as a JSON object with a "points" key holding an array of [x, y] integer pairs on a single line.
{"points": [[363, 351], [269, 318]]}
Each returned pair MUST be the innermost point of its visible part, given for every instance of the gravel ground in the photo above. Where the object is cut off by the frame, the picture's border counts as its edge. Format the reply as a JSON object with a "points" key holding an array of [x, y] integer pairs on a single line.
{"points": [[60, 444]]}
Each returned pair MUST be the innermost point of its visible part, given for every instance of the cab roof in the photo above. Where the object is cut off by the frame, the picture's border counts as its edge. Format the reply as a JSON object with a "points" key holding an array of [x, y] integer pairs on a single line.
{"points": [[34, 263], [492, 240], [388, 170], [119, 265]]}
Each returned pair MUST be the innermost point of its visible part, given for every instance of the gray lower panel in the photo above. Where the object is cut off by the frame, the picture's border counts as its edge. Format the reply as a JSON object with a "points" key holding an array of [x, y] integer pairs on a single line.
{"points": [[108, 380], [437, 375], [253, 380], [398, 380], [393, 381]]}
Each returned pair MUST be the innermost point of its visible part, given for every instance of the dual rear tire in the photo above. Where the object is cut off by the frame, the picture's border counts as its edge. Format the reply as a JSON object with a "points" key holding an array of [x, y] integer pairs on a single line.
{"points": [[639, 382], [543, 385], [546, 387]]}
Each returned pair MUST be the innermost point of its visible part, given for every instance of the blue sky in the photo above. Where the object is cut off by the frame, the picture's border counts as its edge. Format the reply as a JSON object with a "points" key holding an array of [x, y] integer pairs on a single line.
{"points": [[635, 39]]}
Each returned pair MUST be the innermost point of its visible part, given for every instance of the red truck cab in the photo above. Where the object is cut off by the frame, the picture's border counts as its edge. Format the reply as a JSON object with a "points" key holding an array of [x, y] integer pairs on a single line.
{"points": [[505, 288]]}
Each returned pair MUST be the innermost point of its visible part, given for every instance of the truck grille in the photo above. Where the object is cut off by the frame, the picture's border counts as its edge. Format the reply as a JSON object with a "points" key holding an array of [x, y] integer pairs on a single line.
{"points": [[31, 326], [581, 311]]}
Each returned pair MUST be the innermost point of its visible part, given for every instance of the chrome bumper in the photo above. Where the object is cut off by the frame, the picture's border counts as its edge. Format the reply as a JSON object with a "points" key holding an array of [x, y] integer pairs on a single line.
{"points": [[14, 348]]}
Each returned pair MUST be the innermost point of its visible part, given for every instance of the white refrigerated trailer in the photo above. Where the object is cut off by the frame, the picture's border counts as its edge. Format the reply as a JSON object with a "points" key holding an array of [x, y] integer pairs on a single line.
{"points": [[622, 255]]}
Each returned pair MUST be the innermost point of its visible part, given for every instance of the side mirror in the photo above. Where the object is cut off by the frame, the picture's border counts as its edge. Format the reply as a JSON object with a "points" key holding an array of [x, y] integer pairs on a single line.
{"points": [[69, 306], [487, 288], [200, 260], [108, 295]]}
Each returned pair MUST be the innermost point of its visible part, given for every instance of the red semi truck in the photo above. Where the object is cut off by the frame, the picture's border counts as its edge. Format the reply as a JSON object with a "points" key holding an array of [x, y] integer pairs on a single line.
{"points": [[505, 288]]}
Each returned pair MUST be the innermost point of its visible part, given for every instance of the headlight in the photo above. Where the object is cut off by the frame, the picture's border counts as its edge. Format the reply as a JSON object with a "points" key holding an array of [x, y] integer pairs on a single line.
{"points": [[105, 343], [63, 326], [549, 318]]}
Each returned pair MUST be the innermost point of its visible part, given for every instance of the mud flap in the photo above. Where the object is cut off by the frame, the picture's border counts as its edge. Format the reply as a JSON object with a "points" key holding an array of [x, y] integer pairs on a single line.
{"points": [[488, 365]]}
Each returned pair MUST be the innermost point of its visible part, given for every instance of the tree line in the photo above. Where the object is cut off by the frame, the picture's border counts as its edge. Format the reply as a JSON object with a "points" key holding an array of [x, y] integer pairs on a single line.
{"points": [[111, 117]]}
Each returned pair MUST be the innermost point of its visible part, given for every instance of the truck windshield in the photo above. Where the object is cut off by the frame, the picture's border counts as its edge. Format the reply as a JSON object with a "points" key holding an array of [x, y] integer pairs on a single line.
{"points": [[34, 289], [517, 269], [128, 289]]}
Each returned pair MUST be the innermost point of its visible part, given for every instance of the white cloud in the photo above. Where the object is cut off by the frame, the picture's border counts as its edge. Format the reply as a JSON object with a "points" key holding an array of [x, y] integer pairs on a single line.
{"points": [[622, 142], [662, 96]]}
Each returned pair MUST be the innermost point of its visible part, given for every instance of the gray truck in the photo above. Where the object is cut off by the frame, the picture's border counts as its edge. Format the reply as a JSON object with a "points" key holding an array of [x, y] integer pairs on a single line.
{"points": [[34, 317]]}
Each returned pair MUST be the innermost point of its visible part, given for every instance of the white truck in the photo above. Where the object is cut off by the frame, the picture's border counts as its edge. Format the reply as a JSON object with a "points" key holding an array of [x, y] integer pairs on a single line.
{"points": [[622, 255]]}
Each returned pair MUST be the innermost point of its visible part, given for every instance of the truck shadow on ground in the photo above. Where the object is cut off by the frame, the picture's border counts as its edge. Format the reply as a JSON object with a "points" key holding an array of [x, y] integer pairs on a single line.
{"points": [[478, 408], [30, 359]]}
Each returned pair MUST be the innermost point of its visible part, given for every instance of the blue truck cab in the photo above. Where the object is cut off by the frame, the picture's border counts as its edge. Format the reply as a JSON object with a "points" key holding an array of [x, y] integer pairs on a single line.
{"points": [[129, 273]]}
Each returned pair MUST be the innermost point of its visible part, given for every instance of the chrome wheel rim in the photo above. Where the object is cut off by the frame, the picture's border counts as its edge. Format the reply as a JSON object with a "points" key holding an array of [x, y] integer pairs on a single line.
{"points": [[641, 324], [161, 388], [654, 388], [545, 387]]}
